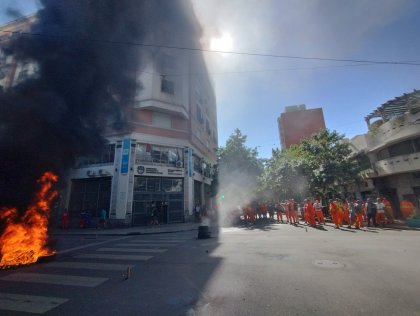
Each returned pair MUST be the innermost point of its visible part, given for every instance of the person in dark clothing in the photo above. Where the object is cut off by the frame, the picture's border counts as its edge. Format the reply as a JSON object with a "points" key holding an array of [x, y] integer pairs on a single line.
{"points": [[370, 208]]}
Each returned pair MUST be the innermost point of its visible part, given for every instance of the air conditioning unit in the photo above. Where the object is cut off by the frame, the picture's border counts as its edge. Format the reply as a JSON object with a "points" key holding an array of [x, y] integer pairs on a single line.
{"points": [[90, 173], [179, 164], [103, 172]]}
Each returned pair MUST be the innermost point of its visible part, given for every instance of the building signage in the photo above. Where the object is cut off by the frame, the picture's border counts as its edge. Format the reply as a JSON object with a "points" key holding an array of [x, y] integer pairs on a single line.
{"points": [[177, 172], [125, 156], [159, 170]]}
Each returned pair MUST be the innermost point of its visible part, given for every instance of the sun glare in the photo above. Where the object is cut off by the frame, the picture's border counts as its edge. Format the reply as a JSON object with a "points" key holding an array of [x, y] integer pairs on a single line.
{"points": [[222, 44]]}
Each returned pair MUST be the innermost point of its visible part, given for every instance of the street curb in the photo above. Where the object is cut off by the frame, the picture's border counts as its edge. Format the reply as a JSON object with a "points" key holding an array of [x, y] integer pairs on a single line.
{"points": [[123, 234]]}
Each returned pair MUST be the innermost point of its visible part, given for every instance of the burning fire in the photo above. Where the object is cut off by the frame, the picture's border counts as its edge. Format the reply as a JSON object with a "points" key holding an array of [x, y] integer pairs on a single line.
{"points": [[24, 239]]}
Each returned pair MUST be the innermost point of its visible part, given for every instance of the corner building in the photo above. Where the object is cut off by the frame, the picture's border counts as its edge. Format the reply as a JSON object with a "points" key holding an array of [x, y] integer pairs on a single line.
{"points": [[163, 161]]}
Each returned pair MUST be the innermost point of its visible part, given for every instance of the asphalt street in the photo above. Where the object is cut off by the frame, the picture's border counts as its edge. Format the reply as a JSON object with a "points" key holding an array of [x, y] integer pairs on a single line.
{"points": [[275, 269]]}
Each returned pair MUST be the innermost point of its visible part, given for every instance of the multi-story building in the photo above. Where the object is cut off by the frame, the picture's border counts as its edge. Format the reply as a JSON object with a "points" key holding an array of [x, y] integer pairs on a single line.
{"points": [[393, 147], [162, 161], [297, 123]]}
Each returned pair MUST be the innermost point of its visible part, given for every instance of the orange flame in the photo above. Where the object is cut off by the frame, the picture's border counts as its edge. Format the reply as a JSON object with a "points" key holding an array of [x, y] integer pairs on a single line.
{"points": [[24, 239]]}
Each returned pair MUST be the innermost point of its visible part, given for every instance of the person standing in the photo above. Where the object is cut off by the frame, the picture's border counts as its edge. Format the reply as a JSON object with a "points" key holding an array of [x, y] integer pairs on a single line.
{"points": [[310, 213], [389, 210], [102, 218], [380, 212], [370, 209], [407, 208], [358, 214], [318, 212], [332, 207]]}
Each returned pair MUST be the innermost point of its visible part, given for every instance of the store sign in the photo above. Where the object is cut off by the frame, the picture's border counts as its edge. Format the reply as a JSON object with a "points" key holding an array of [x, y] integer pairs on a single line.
{"points": [[159, 170], [125, 156]]}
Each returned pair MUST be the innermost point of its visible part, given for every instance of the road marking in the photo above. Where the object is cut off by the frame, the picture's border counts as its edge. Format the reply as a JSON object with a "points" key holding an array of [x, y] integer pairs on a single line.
{"points": [[61, 279], [133, 250], [157, 241], [114, 257], [91, 245], [29, 303], [88, 265]]}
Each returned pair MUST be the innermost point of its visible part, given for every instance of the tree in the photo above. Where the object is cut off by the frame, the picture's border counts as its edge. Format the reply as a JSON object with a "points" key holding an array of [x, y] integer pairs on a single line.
{"points": [[319, 165], [238, 170], [326, 160], [282, 177]]}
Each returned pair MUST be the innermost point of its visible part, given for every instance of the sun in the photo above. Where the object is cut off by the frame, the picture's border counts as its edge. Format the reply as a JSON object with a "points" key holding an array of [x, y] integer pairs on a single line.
{"points": [[222, 44]]}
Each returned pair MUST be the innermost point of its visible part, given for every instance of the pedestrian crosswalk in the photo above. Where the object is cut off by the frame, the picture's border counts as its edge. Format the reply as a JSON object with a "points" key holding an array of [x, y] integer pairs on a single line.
{"points": [[119, 256]]}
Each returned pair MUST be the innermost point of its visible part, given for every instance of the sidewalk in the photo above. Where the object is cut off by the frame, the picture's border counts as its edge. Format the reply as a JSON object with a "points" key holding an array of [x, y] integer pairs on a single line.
{"points": [[126, 231]]}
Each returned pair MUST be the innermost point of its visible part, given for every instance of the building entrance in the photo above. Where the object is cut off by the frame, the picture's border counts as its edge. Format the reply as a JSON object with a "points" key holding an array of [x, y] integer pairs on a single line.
{"points": [[157, 200]]}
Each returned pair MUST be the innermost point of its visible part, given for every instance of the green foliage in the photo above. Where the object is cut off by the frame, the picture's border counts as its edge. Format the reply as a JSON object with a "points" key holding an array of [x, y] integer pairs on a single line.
{"points": [[237, 156], [319, 165], [238, 166]]}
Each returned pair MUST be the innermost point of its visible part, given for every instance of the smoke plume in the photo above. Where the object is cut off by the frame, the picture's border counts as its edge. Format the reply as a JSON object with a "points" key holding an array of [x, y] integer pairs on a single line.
{"points": [[86, 81]]}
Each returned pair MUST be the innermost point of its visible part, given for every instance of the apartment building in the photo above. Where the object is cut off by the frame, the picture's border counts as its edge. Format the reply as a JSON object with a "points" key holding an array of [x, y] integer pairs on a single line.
{"points": [[297, 123], [393, 147]]}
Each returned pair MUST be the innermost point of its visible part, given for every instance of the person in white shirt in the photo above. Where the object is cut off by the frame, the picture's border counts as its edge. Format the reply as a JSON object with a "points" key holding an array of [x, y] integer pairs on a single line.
{"points": [[318, 212], [380, 212]]}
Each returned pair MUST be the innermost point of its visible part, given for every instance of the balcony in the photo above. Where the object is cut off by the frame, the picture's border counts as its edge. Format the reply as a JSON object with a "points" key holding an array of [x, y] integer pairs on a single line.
{"points": [[162, 106], [398, 164], [398, 129]]}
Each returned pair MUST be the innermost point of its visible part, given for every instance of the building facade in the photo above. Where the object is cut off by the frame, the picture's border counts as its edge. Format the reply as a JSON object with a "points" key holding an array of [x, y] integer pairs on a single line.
{"points": [[297, 123], [393, 148], [161, 164]]}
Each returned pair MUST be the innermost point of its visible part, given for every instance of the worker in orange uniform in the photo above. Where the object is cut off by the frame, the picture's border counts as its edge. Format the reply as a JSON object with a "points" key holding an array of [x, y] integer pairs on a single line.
{"points": [[346, 215], [304, 211], [358, 214], [318, 212], [333, 209], [310, 213], [407, 208], [65, 219], [285, 205], [389, 211]]}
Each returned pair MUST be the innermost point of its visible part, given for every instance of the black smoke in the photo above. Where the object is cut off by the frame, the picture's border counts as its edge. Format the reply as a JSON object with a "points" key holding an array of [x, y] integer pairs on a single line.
{"points": [[86, 82]]}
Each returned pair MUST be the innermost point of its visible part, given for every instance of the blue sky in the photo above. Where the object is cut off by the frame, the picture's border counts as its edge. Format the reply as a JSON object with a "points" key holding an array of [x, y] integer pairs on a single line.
{"points": [[252, 91]]}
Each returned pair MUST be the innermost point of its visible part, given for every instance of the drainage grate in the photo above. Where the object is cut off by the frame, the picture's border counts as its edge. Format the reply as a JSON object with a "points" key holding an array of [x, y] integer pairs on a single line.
{"points": [[328, 264]]}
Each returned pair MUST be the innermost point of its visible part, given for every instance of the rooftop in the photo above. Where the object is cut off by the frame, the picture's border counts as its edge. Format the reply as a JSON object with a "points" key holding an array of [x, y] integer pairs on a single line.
{"points": [[396, 107]]}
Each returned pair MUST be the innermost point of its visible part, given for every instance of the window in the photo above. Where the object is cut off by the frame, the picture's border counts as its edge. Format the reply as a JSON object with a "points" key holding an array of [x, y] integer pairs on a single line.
{"points": [[106, 156], [161, 120], [199, 114], [153, 154], [150, 184], [167, 86], [208, 127], [416, 144], [403, 148]]}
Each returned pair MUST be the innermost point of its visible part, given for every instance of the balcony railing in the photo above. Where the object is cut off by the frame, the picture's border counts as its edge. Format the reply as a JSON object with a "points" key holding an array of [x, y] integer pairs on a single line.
{"points": [[398, 164]]}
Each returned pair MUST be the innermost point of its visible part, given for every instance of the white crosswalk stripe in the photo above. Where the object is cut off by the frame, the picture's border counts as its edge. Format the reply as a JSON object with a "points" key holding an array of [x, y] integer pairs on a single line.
{"points": [[29, 303], [88, 265], [149, 250], [60, 279], [114, 257]]}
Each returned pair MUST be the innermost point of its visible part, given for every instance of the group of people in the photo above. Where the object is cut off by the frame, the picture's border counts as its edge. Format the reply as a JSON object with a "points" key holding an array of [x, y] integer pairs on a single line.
{"points": [[350, 212]]}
